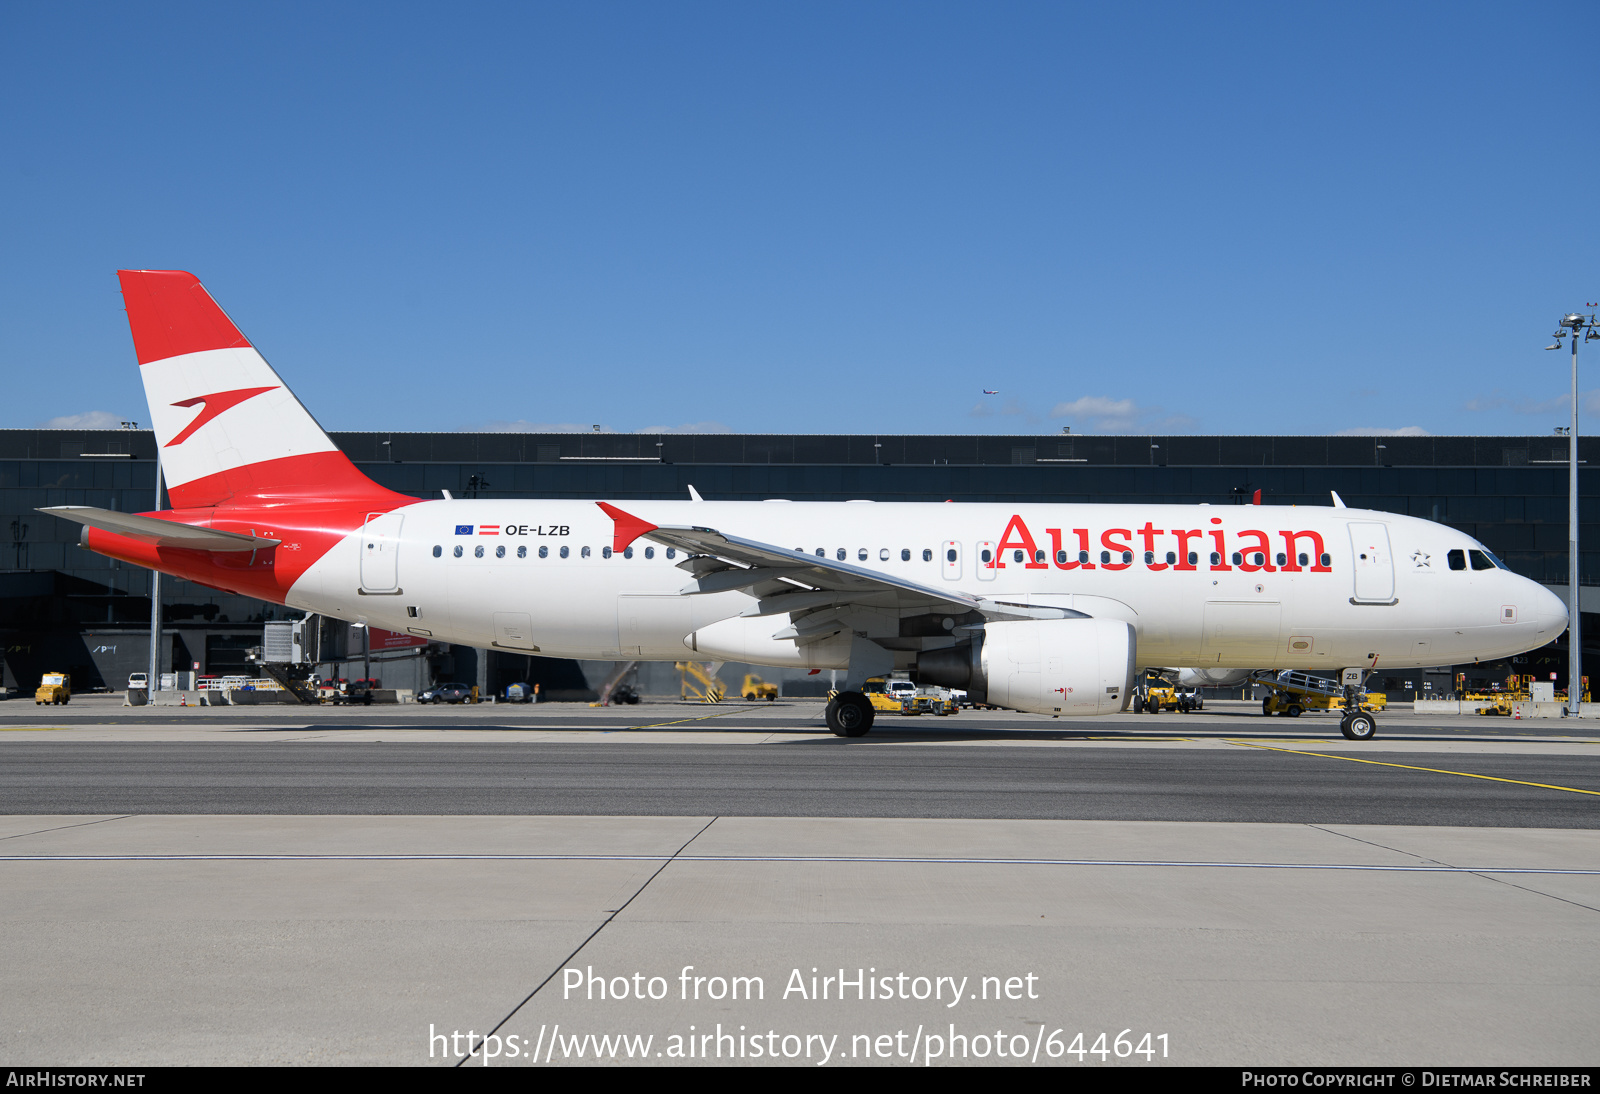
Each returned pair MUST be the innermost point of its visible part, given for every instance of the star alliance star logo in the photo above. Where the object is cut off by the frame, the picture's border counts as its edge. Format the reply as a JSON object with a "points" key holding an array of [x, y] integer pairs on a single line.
{"points": [[1420, 558]]}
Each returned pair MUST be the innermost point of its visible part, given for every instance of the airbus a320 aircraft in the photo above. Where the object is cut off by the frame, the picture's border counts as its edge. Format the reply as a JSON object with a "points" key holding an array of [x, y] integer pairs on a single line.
{"points": [[1048, 609]]}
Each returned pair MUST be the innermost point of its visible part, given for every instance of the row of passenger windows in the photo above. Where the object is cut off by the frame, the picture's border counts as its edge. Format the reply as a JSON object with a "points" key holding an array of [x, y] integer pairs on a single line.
{"points": [[1256, 558], [544, 552]]}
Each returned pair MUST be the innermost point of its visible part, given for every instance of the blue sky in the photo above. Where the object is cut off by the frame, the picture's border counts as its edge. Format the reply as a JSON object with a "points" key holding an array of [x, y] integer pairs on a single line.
{"points": [[1223, 218]]}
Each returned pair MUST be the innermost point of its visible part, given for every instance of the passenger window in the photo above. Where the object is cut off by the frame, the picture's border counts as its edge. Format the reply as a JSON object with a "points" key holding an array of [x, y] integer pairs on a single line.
{"points": [[1480, 561], [1194, 558], [477, 552], [1458, 559], [605, 552], [565, 551], [1038, 556], [821, 553], [1305, 559], [1327, 559], [985, 555], [627, 552], [457, 551], [1216, 559], [1083, 556], [544, 552], [522, 552], [905, 554], [1258, 559], [672, 552], [1127, 557], [500, 551], [1283, 559], [840, 554], [1149, 557], [1061, 558], [1016, 556], [1105, 557], [949, 556], [861, 555], [583, 552], [437, 550], [1172, 558], [1238, 559], [927, 555], [649, 552]]}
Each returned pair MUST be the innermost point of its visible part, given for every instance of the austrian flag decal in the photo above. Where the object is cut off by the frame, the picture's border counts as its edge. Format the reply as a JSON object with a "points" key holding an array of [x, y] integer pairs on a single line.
{"points": [[488, 529]]}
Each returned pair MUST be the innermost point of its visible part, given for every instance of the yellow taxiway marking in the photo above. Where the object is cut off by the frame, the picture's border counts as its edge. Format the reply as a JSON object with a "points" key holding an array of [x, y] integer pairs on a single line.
{"points": [[1413, 767], [680, 721], [30, 729]]}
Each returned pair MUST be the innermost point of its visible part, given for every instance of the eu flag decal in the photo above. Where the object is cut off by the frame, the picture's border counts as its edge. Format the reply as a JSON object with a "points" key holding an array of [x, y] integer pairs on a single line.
{"points": [[463, 529]]}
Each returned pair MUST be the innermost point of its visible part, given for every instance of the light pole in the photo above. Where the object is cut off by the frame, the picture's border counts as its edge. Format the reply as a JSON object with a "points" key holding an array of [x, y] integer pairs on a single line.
{"points": [[1574, 324]]}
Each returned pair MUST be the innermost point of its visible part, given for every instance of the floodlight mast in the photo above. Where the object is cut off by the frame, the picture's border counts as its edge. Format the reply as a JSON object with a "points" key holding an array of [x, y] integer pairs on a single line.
{"points": [[1574, 323]]}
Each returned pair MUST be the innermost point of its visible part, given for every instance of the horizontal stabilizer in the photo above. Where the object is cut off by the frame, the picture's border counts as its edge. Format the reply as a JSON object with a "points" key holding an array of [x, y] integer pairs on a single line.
{"points": [[162, 533]]}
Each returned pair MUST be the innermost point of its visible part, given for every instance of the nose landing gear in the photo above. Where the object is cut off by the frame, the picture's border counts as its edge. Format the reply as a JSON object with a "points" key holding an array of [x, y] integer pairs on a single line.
{"points": [[1359, 726]]}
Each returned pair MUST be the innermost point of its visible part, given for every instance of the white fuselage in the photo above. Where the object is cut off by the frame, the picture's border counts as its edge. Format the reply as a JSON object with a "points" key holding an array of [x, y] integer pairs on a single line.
{"points": [[1234, 586]]}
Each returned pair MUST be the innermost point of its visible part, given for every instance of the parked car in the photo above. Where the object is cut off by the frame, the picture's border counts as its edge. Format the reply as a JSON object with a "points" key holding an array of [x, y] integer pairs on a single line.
{"points": [[138, 681], [446, 693]]}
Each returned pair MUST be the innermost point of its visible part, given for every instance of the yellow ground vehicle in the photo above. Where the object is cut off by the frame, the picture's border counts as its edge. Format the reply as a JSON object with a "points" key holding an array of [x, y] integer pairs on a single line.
{"points": [[1293, 693], [697, 683], [877, 692], [756, 688], [904, 697], [55, 688], [1160, 696]]}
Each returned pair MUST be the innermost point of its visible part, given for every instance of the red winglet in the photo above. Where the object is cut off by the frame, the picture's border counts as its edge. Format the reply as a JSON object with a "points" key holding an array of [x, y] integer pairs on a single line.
{"points": [[629, 527], [170, 314], [1257, 499]]}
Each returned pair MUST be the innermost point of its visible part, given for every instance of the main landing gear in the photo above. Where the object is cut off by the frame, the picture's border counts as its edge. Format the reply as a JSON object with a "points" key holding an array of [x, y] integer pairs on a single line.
{"points": [[849, 714]]}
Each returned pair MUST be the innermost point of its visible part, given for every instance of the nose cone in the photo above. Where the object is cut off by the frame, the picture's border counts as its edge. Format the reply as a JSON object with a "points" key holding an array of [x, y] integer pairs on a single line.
{"points": [[1550, 612]]}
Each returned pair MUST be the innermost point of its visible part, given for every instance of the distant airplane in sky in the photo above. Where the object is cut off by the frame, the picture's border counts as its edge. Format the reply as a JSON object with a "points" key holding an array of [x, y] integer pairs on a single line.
{"points": [[986, 391]]}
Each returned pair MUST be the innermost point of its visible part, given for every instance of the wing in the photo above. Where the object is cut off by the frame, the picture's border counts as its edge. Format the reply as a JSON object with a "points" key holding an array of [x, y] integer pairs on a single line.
{"points": [[162, 533], [785, 580]]}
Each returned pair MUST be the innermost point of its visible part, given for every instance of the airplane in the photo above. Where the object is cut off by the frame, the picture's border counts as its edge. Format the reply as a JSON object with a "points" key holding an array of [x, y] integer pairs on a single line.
{"points": [[1042, 608], [986, 391]]}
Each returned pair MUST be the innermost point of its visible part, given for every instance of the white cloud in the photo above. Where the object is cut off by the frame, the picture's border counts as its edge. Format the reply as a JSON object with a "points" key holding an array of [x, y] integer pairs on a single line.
{"points": [[89, 419], [1103, 414], [692, 427], [524, 426], [1383, 431]]}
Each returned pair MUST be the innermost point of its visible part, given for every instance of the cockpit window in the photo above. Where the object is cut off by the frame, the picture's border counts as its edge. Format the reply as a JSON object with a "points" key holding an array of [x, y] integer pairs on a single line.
{"points": [[1458, 559], [1483, 560]]}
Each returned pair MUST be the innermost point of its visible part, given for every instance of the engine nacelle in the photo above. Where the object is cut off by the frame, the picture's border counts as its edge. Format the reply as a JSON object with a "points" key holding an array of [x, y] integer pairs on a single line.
{"points": [[751, 640], [1042, 666]]}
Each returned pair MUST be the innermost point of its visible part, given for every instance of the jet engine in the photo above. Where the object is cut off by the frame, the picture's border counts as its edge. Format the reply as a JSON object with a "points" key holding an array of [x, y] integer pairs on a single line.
{"points": [[1042, 666]]}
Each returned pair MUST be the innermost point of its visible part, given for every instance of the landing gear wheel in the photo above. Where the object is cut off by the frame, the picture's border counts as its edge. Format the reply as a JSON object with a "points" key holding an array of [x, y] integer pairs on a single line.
{"points": [[1359, 726], [849, 714]]}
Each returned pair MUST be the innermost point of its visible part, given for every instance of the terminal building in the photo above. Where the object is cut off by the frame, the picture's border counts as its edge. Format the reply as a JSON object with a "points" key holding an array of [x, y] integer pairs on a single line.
{"points": [[64, 609]]}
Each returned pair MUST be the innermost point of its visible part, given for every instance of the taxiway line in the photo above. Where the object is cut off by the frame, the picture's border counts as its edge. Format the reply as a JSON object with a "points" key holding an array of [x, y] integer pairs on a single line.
{"points": [[1413, 767]]}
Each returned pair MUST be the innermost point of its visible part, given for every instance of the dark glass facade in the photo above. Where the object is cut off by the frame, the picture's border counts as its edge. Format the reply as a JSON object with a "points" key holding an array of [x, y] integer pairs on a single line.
{"points": [[59, 603]]}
